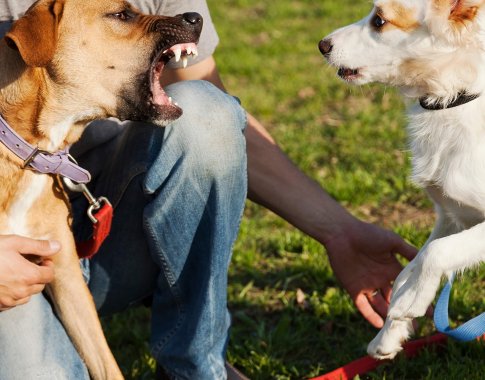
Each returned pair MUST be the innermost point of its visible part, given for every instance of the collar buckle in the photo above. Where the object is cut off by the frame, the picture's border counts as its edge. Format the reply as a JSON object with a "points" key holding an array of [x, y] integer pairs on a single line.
{"points": [[31, 157]]}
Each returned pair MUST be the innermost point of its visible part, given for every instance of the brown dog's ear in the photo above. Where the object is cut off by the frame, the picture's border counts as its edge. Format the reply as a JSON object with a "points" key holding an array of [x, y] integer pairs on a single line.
{"points": [[35, 34]]}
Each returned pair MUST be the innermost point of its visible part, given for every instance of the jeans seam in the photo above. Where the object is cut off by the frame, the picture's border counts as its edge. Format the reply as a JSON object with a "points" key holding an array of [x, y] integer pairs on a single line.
{"points": [[174, 290], [138, 170]]}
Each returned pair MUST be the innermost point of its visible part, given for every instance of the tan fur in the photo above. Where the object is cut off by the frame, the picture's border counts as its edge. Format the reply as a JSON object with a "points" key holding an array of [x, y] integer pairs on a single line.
{"points": [[62, 65], [463, 15], [398, 16], [424, 75], [460, 12]]}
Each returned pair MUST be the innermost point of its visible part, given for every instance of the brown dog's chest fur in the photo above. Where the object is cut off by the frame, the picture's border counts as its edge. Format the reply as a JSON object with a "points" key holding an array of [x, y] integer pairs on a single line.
{"points": [[34, 204], [27, 198]]}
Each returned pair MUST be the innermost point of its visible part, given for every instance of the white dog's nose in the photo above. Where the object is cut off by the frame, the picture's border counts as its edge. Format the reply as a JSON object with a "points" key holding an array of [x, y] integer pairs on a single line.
{"points": [[325, 46]]}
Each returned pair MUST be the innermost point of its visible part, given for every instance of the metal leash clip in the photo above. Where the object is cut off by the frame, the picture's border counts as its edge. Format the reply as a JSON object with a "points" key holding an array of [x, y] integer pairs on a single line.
{"points": [[94, 203]]}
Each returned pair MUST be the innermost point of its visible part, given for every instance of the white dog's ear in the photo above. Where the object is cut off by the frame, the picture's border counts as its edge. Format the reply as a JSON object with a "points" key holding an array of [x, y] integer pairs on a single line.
{"points": [[453, 19], [35, 34], [463, 11], [454, 4]]}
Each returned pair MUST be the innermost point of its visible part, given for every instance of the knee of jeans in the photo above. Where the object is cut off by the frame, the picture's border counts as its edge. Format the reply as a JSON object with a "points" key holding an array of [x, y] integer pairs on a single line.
{"points": [[211, 128], [32, 332]]}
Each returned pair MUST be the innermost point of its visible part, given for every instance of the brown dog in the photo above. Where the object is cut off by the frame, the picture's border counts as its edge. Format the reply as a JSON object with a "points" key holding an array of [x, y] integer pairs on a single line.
{"points": [[65, 63]]}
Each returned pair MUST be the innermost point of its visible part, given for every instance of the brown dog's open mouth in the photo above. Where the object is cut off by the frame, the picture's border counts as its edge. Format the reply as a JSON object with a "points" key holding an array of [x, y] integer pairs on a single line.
{"points": [[179, 52]]}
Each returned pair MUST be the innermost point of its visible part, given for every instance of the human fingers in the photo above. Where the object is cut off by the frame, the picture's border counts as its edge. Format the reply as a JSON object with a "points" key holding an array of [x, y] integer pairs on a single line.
{"points": [[404, 249], [7, 304], [378, 302], [19, 295], [42, 274], [36, 247], [365, 308], [35, 289], [47, 263], [387, 293], [22, 301]]}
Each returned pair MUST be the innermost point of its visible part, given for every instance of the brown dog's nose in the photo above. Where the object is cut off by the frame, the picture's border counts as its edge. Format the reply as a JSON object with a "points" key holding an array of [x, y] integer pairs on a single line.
{"points": [[192, 18], [325, 46]]}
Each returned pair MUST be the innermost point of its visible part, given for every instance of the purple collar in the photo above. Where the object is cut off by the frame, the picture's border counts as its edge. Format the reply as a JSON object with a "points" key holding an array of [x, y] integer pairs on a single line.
{"points": [[39, 160]]}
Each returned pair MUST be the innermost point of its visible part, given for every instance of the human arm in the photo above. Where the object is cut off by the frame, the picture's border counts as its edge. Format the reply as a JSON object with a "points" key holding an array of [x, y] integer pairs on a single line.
{"points": [[25, 268], [362, 255]]}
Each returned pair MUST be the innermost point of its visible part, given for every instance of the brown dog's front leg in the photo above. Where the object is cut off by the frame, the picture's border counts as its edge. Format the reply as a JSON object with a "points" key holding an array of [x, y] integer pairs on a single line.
{"points": [[75, 308]]}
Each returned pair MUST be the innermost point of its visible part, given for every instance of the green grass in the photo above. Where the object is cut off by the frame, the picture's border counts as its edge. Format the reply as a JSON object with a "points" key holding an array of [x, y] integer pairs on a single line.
{"points": [[353, 142]]}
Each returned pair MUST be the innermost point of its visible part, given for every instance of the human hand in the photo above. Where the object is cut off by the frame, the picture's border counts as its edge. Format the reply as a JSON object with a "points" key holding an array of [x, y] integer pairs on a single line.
{"points": [[25, 268], [363, 259]]}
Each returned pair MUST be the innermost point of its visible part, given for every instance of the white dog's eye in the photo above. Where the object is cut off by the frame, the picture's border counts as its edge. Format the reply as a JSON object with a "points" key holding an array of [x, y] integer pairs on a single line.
{"points": [[378, 22]]}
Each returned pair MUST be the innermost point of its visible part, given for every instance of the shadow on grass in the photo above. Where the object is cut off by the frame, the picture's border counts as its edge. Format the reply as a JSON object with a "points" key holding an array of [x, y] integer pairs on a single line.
{"points": [[277, 335], [285, 338]]}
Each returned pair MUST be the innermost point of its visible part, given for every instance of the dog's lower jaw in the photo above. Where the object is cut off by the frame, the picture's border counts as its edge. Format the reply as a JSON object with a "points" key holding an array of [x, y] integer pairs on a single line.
{"points": [[162, 122]]}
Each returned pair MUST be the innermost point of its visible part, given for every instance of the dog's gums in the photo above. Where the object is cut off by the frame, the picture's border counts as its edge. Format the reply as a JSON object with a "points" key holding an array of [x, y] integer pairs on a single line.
{"points": [[180, 52]]}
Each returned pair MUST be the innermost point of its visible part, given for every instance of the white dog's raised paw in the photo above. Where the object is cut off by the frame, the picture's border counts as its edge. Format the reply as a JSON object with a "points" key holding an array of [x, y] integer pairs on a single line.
{"points": [[388, 342], [377, 354]]}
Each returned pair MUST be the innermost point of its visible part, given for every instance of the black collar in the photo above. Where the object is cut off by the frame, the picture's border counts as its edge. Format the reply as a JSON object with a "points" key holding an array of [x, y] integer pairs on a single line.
{"points": [[462, 98]]}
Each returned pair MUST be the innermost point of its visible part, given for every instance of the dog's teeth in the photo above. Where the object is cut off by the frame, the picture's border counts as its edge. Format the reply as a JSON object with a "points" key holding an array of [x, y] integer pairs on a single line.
{"points": [[178, 53], [175, 103], [184, 61], [170, 99], [189, 50]]}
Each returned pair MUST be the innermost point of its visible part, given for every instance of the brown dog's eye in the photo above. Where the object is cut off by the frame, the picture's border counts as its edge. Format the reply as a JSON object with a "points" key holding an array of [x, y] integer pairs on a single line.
{"points": [[123, 15], [378, 22]]}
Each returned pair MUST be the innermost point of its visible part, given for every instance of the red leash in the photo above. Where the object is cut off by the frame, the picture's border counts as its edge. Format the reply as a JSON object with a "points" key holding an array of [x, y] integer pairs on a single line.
{"points": [[367, 364], [101, 228], [100, 212]]}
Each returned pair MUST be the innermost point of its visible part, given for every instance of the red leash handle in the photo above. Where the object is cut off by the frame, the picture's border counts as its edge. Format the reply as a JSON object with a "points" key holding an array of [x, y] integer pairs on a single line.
{"points": [[100, 212], [103, 216], [367, 364]]}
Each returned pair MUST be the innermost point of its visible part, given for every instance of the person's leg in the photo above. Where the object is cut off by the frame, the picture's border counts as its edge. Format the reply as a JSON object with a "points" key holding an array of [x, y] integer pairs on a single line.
{"points": [[36, 346], [179, 193]]}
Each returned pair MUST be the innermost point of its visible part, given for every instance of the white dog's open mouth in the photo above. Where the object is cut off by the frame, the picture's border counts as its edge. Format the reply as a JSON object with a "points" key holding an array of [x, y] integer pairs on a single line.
{"points": [[180, 52], [348, 74]]}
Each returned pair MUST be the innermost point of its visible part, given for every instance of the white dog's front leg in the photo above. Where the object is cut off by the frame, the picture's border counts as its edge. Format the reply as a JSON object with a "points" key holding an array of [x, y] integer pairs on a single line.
{"points": [[416, 287], [444, 227], [442, 256]]}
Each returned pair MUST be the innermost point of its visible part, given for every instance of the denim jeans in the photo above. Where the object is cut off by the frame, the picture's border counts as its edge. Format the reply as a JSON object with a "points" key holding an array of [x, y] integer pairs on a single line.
{"points": [[178, 194]]}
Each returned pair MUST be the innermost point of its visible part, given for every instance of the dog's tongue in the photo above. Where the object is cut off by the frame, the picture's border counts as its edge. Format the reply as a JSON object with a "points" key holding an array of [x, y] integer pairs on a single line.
{"points": [[179, 51], [159, 97]]}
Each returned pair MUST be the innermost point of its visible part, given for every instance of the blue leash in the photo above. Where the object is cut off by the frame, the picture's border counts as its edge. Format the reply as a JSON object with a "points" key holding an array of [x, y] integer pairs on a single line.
{"points": [[466, 332]]}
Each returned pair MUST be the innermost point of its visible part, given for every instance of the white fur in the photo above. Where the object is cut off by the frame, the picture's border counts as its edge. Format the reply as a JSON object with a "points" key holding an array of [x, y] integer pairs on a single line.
{"points": [[58, 133], [17, 214], [32, 184], [448, 146]]}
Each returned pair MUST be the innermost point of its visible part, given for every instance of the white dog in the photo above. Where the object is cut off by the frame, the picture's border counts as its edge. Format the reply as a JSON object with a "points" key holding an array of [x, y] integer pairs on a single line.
{"points": [[433, 50]]}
